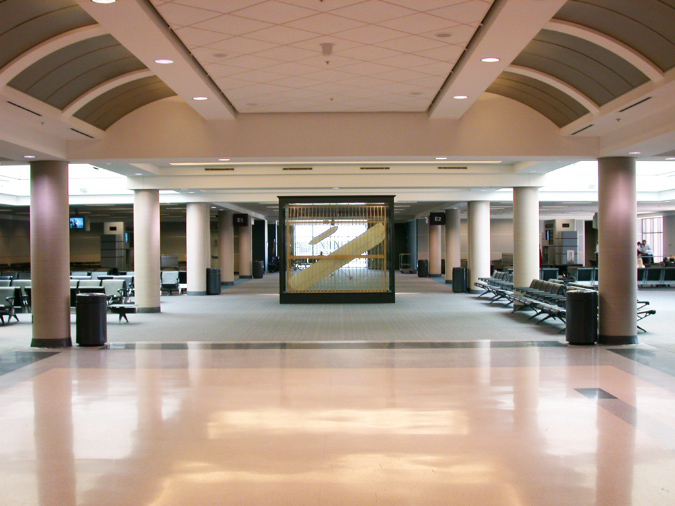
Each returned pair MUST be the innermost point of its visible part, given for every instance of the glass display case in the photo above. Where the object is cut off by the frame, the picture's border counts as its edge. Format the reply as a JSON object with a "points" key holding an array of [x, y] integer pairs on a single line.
{"points": [[336, 249]]}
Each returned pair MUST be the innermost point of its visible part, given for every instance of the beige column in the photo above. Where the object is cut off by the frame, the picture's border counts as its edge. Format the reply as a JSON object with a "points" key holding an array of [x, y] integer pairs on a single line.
{"points": [[226, 247], [50, 254], [525, 235], [617, 224], [147, 251], [479, 241], [435, 252], [453, 243], [245, 236], [196, 236]]}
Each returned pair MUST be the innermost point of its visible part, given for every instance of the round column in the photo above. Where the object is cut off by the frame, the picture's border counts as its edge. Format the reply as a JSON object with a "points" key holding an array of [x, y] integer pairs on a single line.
{"points": [[617, 268], [197, 218], [245, 256], [434, 250], [147, 251], [226, 247], [453, 243], [50, 254], [525, 235], [479, 241]]}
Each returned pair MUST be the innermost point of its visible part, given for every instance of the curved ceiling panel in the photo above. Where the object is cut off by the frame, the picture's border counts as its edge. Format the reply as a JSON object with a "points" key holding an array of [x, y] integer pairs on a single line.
{"points": [[64, 75], [647, 26], [24, 25], [116, 103], [594, 71], [544, 98]]}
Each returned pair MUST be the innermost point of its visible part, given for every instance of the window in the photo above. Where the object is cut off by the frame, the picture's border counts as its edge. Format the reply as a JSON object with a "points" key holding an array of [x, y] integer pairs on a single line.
{"points": [[651, 230]]}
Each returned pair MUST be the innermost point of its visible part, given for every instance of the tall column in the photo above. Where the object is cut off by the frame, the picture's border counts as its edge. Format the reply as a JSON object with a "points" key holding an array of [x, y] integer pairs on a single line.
{"points": [[226, 247], [525, 235], [453, 242], [245, 236], [617, 266], [197, 218], [435, 253], [479, 241], [50, 254], [147, 251]]}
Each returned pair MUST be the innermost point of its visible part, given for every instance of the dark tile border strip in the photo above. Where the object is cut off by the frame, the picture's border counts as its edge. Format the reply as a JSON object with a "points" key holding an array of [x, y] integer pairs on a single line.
{"points": [[12, 360], [351, 345], [664, 362]]}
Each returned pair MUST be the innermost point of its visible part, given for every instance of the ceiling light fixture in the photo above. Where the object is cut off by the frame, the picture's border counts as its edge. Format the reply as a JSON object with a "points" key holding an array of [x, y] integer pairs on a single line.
{"points": [[670, 158], [490, 59], [634, 152], [223, 159], [460, 97], [441, 158], [200, 98], [29, 156], [103, 1], [164, 61]]}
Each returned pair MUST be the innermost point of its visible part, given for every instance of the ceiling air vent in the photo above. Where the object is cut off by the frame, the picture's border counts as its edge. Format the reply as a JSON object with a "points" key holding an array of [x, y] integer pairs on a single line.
{"points": [[453, 167], [636, 103], [24, 108], [582, 129], [218, 169], [297, 168], [374, 168]]}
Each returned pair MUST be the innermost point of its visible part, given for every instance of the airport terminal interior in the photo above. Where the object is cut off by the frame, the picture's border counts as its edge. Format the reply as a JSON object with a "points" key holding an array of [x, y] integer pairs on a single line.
{"points": [[337, 252]]}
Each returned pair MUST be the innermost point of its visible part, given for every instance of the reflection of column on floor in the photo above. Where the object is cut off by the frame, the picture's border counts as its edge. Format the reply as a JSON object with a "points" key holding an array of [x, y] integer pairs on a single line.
{"points": [[54, 444]]}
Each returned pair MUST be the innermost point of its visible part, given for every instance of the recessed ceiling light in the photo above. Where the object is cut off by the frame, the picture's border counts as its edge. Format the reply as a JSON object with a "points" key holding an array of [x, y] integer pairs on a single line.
{"points": [[200, 98], [460, 97], [634, 152], [138, 174], [29, 156], [490, 59], [441, 158], [103, 1], [336, 187], [670, 158], [164, 61], [443, 35], [223, 159]]}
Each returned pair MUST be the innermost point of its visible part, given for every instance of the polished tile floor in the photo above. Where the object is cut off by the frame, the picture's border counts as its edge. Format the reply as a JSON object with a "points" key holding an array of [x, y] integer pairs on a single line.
{"points": [[458, 423]]}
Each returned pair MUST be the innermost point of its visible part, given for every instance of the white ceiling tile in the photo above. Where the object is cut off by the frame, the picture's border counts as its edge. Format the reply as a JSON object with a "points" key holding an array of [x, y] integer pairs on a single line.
{"points": [[320, 5], [183, 15], [363, 82], [282, 35], [373, 11], [332, 87], [296, 82], [331, 77], [298, 93], [407, 89], [231, 83], [425, 5], [314, 43], [242, 45], [285, 53], [435, 69], [418, 23], [472, 11], [231, 25], [399, 75], [371, 34], [250, 61], [335, 62], [259, 76], [275, 12], [194, 37], [459, 34], [222, 6], [291, 69], [325, 24], [252, 91], [448, 54], [216, 71], [366, 68], [368, 53], [412, 43], [405, 61], [431, 82], [207, 55]]}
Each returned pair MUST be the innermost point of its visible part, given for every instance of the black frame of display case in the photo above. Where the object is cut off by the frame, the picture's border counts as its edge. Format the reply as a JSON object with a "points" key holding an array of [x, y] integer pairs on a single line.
{"points": [[336, 298]]}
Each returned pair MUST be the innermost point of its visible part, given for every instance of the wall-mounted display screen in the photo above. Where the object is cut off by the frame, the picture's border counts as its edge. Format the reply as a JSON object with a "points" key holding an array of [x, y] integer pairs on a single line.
{"points": [[77, 222]]}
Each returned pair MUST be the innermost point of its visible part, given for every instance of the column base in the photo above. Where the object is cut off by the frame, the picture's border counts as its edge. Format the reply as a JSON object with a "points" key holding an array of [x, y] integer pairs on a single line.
{"points": [[197, 293], [448, 281], [435, 275], [226, 283], [245, 277], [616, 340], [52, 343], [148, 309]]}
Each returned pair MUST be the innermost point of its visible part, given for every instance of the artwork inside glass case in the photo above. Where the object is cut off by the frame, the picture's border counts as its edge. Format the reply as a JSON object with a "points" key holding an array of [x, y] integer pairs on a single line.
{"points": [[336, 247]]}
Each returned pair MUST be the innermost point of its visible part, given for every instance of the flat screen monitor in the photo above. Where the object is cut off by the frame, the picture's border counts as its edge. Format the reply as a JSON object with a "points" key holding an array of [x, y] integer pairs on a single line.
{"points": [[77, 222]]}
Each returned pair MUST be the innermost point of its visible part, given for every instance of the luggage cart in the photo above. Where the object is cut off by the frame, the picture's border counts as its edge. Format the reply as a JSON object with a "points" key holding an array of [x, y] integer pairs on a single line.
{"points": [[405, 263]]}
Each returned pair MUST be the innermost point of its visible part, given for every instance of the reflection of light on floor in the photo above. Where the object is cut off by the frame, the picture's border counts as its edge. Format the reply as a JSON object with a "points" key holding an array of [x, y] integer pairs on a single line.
{"points": [[341, 421]]}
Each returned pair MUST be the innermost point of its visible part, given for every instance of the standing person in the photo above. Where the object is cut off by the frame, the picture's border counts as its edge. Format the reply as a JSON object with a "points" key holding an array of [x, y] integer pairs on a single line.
{"points": [[647, 254]]}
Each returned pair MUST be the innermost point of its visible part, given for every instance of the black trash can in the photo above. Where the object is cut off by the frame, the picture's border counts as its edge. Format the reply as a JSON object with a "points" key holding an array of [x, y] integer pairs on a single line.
{"points": [[212, 281], [582, 317], [423, 268], [459, 279], [258, 268], [91, 324]]}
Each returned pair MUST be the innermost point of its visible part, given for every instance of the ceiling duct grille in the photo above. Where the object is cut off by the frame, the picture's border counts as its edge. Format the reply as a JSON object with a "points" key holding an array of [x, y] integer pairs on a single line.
{"points": [[374, 168], [24, 108], [453, 167], [635, 104], [218, 169], [297, 168], [582, 129]]}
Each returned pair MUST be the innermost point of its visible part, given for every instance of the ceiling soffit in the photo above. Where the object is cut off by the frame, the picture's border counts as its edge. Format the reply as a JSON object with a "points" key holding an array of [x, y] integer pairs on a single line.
{"points": [[25, 24], [66, 74], [109, 107], [549, 101], [647, 26]]}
